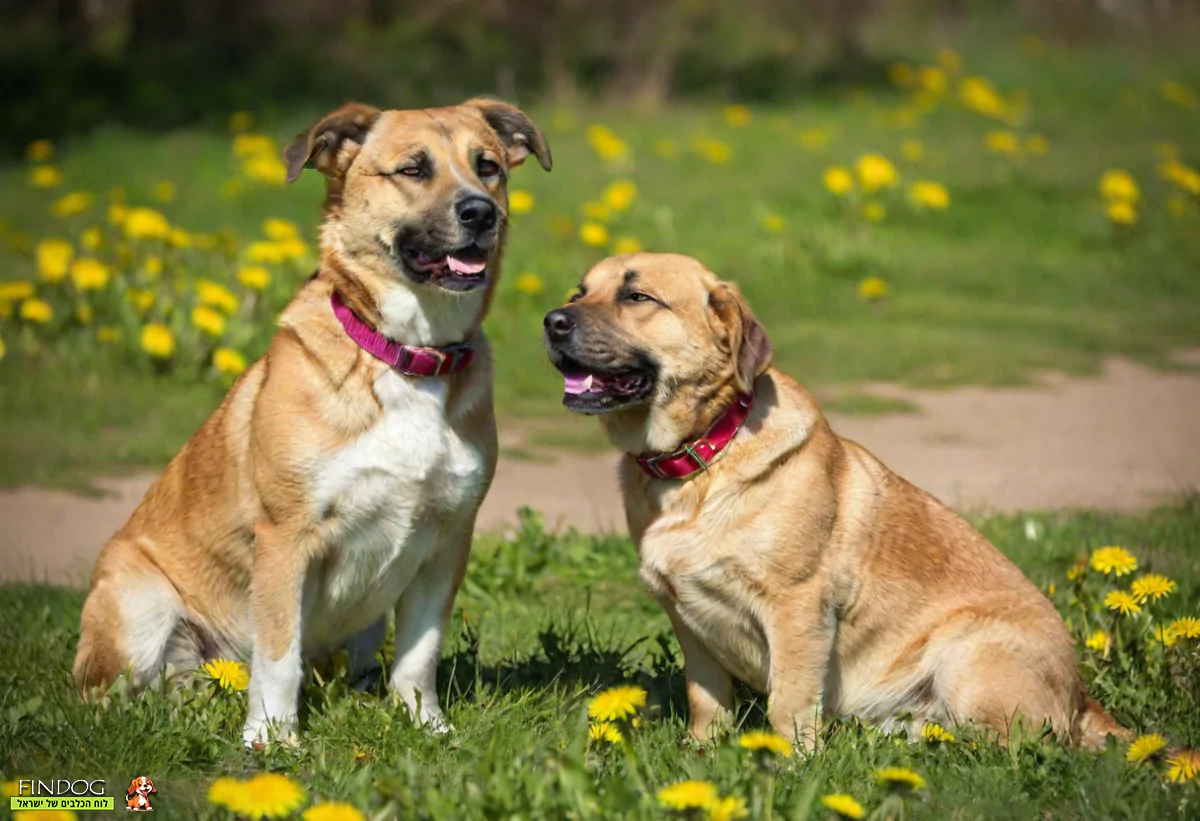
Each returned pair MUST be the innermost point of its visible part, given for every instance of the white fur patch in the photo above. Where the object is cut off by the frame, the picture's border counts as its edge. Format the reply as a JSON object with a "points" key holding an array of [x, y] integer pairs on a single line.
{"points": [[150, 612]]}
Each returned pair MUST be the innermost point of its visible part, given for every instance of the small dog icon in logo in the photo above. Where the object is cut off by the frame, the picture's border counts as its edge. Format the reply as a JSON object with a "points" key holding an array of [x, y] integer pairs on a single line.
{"points": [[137, 797]]}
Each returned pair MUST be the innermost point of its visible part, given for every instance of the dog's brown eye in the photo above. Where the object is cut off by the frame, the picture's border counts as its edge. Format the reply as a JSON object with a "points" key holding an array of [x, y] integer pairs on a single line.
{"points": [[639, 297], [488, 168], [410, 171]]}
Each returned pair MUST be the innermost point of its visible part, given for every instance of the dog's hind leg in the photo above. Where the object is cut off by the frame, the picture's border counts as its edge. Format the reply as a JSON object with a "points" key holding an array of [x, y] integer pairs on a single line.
{"points": [[130, 615]]}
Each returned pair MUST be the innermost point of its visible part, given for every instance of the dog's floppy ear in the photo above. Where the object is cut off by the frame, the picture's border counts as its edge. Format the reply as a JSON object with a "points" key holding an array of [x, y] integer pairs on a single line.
{"points": [[518, 133], [321, 146], [132, 787], [749, 343], [152, 787]]}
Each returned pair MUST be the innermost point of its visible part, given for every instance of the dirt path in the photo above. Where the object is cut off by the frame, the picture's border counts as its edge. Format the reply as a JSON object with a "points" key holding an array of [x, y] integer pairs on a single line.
{"points": [[1123, 441]]}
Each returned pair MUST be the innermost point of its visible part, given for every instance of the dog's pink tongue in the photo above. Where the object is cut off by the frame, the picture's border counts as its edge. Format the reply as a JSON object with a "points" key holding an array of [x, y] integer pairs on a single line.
{"points": [[577, 384], [465, 267]]}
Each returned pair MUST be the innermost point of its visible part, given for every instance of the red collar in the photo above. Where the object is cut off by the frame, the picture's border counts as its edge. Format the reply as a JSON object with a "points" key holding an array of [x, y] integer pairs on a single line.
{"points": [[408, 359], [698, 454]]}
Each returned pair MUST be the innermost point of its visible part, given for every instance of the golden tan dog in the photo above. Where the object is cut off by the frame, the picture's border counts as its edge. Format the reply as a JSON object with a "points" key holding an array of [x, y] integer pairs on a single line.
{"points": [[784, 555], [341, 476]]}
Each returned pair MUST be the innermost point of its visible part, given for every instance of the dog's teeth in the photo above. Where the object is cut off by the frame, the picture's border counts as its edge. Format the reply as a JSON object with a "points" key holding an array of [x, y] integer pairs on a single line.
{"points": [[587, 383]]}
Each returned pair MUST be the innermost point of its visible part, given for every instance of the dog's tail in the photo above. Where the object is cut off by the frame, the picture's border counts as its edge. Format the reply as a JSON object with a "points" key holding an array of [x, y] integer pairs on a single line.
{"points": [[1093, 726]]}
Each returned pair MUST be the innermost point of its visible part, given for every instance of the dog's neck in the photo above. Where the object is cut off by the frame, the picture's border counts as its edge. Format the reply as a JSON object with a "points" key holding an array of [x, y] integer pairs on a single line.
{"points": [[665, 428], [378, 292]]}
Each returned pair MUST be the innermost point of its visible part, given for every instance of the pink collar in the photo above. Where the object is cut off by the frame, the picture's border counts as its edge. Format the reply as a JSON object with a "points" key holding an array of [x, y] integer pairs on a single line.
{"points": [[408, 359], [698, 454]]}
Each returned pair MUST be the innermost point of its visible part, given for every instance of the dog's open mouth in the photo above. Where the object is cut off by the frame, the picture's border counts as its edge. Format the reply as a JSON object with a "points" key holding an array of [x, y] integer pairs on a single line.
{"points": [[462, 269], [588, 390]]}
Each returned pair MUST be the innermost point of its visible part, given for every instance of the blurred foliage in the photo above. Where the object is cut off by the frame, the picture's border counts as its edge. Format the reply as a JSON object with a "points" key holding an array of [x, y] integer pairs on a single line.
{"points": [[66, 65]]}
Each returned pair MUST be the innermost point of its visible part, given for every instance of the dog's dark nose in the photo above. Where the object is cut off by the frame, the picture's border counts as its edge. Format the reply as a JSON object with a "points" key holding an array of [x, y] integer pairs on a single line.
{"points": [[558, 324], [476, 213]]}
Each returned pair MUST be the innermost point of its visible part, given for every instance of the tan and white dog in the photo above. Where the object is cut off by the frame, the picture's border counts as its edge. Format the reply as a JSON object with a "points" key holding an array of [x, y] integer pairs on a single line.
{"points": [[341, 476], [786, 556]]}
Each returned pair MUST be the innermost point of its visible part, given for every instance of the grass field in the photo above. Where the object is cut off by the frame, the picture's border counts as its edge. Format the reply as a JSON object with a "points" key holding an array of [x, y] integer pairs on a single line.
{"points": [[542, 622], [1022, 271]]}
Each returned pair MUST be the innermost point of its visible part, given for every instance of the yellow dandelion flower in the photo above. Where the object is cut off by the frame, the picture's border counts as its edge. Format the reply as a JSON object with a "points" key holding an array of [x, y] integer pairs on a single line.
{"points": [[872, 288], [617, 703], [666, 148], [737, 116], [978, 95], [937, 734], [264, 252], [875, 172], [529, 284], [1121, 602], [230, 675], [712, 151], [1165, 635], [1183, 766], [1144, 748], [36, 310], [265, 168], [899, 778], [1152, 586], [1115, 561], [145, 223], [117, 214], [16, 290], [688, 795], [626, 245], [179, 238], [1121, 212], [1181, 176], [1077, 570], [901, 75], [254, 277], [39, 151], [520, 201], [874, 211], [224, 792], [838, 180], [1099, 641], [240, 121], [1179, 94], [91, 239], [280, 229], [843, 806], [107, 334], [931, 195], [597, 211], [1118, 184], [158, 341], [607, 145], [814, 139], [768, 742], [89, 274], [604, 731], [949, 60], [932, 79], [1037, 145], [248, 145], [729, 808], [216, 295], [329, 811], [71, 204], [164, 191], [208, 320], [620, 194], [773, 223], [594, 234], [268, 795], [45, 176], [142, 299], [231, 363], [1002, 142], [1186, 628], [3, 349], [912, 150], [53, 259]]}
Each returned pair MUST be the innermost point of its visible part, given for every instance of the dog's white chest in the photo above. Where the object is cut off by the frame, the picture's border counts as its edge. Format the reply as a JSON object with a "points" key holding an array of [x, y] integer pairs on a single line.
{"points": [[385, 498], [713, 596]]}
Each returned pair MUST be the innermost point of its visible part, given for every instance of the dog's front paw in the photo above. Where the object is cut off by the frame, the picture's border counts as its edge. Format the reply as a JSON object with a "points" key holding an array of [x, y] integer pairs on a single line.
{"points": [[260, 731]]}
